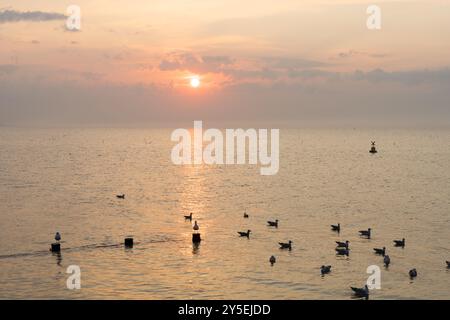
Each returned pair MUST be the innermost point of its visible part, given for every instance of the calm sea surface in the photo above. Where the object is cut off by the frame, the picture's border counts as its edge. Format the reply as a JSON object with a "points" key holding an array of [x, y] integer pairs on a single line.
{"points": [[66, 180]]}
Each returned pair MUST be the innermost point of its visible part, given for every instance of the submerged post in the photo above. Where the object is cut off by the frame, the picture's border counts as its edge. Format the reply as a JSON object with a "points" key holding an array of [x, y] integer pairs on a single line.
{"points": [[196, 238], [55, 247], [128, 242]]}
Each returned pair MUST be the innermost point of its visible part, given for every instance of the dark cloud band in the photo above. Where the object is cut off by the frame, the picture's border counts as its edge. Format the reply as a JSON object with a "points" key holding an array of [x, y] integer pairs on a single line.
{"points": [[8, 16]]}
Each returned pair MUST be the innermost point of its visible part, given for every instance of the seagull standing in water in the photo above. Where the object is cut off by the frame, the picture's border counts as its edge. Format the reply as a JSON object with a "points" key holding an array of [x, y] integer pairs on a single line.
{"points": [[57, 236]]}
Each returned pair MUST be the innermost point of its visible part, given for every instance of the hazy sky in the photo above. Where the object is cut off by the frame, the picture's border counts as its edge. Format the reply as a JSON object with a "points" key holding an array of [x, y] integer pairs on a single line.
{"points": [[274, 62]]}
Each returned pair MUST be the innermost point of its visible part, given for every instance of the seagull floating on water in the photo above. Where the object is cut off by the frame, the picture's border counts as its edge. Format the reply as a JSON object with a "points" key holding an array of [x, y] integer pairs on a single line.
{"points": [[196, 227], [386, 261], [120, 196], [245, 215], [273, 223], [365, 233], [244, 234], [57, 236], [325, 269], [361, 292], [399, 243], [189, 217], [272, 260], [342, 251], [336, 227], [343, 244], [380, 251], [286, 245], [413, 273]]}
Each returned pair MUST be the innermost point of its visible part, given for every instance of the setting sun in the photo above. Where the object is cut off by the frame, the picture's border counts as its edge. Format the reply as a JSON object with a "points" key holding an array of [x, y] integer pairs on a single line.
{"points": [[195, 82]]}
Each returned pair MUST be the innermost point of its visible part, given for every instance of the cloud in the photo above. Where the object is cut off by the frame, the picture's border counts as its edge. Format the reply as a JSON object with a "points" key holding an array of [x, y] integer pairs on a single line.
{"points": [[7, 16], [355, 53], [194, 62]]}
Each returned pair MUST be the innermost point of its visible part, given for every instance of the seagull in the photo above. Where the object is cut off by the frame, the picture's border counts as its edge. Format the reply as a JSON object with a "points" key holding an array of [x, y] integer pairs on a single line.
{"points": [[120, 196], [273, 223], [361, 292], [189, 217], [343, 244], [399, 243], [272, 260], [245, 215], [413, 273], [448, 264], [365, 233], [335, 227], [380, 251], [196, 227], [387, 261], [325, 269], [286, 245], [57, 236], [342, 251], [244, 234]]}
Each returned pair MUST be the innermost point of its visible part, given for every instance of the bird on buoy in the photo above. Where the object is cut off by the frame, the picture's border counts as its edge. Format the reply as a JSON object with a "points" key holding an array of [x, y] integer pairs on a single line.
{"points": [[245, 215], [272, 260], [386, 261], [336, 227], [373, 149], [413, 273], [399, 243], [189, 217], [244, 234], [57, 236], [273, 223], [325, 269], [196, 227]]}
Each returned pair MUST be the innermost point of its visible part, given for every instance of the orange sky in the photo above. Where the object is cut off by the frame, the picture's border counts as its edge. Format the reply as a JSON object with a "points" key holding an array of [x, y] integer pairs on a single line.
{"points": [[226, 43]]}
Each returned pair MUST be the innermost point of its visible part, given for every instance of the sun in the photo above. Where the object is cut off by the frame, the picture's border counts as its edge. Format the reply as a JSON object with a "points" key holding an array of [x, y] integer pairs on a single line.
{"points": [[195, 82]]}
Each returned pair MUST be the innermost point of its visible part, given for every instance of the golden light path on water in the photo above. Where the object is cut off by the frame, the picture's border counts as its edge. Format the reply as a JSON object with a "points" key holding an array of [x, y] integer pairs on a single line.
{"points": [[66, 180]]}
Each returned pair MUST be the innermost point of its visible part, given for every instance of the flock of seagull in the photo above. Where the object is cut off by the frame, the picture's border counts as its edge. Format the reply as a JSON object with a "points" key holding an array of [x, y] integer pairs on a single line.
{"points": [[342, 248]]}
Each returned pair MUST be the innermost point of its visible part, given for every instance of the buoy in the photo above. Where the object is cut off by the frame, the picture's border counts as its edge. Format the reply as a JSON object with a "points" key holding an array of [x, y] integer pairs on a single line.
{"points": [[129, 242], [56, 247], [196, 238]]}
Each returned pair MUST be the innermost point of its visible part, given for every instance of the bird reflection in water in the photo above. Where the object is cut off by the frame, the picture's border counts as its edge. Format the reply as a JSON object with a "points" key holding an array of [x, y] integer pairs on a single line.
{"points": [[195, 247]]}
